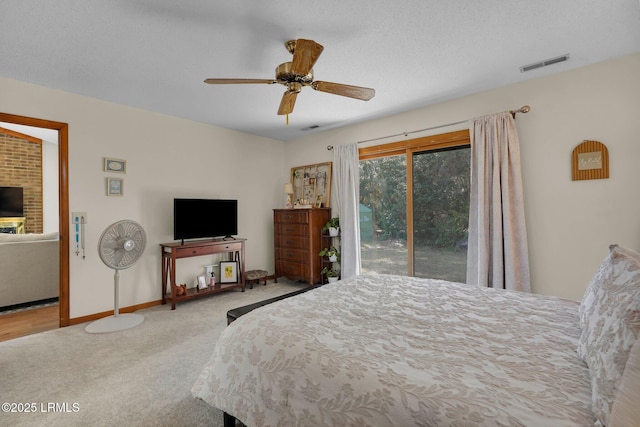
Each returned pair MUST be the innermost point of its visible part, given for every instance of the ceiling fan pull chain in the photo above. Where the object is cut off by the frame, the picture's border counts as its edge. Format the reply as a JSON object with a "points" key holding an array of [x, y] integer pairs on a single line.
{"points": [[287, 119]]}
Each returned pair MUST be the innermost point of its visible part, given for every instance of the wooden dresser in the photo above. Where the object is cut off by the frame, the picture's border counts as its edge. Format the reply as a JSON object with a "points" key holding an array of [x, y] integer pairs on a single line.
{"points": [[297, 243]]}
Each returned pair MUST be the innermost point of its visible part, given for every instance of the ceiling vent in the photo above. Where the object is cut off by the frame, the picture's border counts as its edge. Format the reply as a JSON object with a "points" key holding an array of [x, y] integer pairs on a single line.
{"points": [[310, 128], [544, 63]]}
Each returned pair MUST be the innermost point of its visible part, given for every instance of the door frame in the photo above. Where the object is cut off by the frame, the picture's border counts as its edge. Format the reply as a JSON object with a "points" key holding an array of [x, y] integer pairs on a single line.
{"points": [[63, 201]]}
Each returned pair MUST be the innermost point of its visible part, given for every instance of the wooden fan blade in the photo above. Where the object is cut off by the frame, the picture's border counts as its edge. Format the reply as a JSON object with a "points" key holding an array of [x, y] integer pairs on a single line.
{"points": [[357, 92], [286, 105], [305, 55], [239, 81]]}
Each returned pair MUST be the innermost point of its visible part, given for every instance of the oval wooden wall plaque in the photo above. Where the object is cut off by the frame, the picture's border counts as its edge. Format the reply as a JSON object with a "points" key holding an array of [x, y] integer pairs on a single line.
{"points": [[590, 160]]}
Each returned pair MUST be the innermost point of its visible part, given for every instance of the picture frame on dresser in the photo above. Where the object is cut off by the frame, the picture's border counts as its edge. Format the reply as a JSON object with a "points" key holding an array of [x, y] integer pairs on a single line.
{"points": [[228, 272]]}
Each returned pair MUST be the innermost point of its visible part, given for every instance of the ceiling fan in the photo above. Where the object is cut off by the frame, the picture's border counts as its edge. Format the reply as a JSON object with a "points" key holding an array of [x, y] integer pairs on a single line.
{"points": [[298, 73]]}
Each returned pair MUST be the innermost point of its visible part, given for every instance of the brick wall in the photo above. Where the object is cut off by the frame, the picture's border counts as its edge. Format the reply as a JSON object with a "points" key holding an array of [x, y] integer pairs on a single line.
{"points": [[21, 166]]}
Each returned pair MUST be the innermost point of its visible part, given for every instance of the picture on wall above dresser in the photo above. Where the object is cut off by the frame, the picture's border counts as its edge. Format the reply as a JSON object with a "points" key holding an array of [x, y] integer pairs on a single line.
{"points": [[312, 185]]}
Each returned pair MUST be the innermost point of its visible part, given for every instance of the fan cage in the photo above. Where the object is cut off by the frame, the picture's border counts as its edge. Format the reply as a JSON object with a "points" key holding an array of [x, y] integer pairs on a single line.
{"points": [[121, 244]]}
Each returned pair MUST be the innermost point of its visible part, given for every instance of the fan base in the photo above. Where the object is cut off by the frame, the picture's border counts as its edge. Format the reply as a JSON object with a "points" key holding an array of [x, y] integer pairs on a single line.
{"points": [[114, 323]]}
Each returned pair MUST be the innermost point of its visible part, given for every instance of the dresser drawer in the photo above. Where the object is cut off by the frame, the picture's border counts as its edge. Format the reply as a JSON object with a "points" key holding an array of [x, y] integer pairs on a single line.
{"points": [[287, 230], [293, 242], [194, 251], [296, 255], [293, 271], [293, 216]]}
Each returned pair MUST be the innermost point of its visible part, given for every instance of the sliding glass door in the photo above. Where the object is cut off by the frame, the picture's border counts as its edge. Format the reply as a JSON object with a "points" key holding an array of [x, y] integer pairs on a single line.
{"points": [[414, 207]]}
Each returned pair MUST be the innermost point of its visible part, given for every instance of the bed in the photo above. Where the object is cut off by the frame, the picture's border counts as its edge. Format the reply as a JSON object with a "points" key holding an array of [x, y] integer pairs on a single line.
{"points": [[384, 350]]}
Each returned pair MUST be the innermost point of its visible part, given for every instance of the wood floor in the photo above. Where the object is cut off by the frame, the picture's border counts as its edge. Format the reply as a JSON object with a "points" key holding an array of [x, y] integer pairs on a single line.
{"points": [[28, 322]]}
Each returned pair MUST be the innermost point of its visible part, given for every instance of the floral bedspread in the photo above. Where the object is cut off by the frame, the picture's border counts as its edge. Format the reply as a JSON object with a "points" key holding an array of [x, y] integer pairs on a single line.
{"points": [[385, 350]]}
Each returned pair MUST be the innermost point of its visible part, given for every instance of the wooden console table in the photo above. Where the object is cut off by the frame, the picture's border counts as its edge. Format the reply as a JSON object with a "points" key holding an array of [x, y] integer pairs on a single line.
{"points": [[175, 250]]}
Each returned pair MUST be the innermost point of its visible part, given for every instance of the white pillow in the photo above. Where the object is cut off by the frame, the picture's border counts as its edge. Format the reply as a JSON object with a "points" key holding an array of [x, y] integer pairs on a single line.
{"points": [[626, 407], [589, 298], [610, 326]]}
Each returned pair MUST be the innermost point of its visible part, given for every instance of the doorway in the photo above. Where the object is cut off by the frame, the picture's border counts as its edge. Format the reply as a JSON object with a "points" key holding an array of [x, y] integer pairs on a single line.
{"points": [[63, 203]]}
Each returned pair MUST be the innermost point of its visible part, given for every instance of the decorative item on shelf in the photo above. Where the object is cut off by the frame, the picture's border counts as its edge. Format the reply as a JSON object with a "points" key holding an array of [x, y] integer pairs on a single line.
{"points": [[210, 275], [202, 283], [332, 253], [212, 280], [288, 190], [333, 226], [228, 272], [331, 274], [181, 289], [302, 204], [311, 185]]}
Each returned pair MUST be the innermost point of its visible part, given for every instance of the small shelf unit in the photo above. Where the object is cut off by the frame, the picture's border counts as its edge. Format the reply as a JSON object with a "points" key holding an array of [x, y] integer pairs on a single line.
{"points": [[176, 250], [327, 242]]}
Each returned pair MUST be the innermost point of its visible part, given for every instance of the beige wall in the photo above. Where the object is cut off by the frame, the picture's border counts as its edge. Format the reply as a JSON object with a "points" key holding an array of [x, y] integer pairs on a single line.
{"points": [[166, 157], [570, 223]]}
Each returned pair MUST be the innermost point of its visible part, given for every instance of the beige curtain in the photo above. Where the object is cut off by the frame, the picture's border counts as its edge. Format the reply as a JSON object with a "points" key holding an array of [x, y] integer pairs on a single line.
{"points": [[497, 253]]}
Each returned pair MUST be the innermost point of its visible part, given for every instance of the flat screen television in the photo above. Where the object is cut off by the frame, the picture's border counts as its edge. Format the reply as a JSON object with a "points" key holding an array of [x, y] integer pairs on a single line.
{"points": [[11, 202], [204, 218]]}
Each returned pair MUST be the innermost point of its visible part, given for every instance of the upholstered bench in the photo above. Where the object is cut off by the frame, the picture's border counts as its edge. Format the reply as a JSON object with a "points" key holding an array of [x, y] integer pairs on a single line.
{"points": [[256, 276], [240, 311]]}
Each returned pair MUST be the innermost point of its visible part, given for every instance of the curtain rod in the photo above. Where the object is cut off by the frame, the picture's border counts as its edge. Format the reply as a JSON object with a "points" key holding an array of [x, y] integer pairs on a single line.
{"points": [[524, 109]]}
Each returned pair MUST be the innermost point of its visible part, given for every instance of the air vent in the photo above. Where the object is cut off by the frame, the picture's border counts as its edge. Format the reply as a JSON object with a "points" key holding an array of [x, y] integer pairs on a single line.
{"points": [[544, 63], [310, 128]]}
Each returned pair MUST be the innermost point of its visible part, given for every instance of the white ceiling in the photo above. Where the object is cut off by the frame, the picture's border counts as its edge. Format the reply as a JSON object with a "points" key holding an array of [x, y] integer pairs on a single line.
{"points": [[155, 54]]}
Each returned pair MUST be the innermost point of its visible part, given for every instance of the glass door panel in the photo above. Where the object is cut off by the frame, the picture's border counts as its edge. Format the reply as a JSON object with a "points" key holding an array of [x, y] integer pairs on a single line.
{"points": [[383, 215], [440, 181]]}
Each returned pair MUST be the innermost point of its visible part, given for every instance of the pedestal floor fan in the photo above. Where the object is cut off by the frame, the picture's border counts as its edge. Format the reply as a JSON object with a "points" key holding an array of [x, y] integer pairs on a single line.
{"points": [[120, 246]]}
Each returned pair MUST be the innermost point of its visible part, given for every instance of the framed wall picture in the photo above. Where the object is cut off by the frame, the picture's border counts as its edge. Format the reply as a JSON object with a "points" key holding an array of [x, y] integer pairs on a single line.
{"points": [[590, 160], [115, 186], [115, 165], [228, 272], [312, 185]]}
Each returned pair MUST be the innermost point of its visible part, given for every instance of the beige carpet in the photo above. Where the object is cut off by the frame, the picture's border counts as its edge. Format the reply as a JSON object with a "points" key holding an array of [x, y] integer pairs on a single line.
{"points": [[137, 377]]}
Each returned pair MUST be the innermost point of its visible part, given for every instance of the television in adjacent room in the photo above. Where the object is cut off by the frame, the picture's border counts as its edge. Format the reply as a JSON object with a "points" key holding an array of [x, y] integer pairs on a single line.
{"points": [[11, 202], [204, 218]]}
